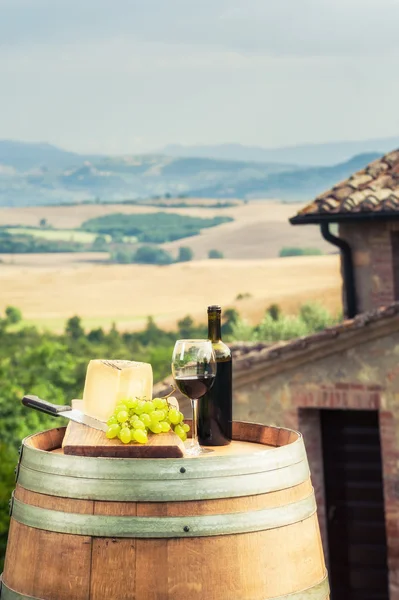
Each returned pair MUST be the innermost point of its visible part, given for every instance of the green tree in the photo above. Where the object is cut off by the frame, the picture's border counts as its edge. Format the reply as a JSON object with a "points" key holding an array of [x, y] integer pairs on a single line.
{"points": [[152, 255], [230, 319], [43, 223], [315, 316], [185, 254], [74, 328], [274, 311], [13, 315], [215, 254], [185, 327], [8, 460], [100, 244], [96, 335]]}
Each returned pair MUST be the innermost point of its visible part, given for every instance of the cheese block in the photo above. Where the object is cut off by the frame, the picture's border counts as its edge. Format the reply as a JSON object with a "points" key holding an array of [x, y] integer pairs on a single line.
{"points": [[109, 381]]}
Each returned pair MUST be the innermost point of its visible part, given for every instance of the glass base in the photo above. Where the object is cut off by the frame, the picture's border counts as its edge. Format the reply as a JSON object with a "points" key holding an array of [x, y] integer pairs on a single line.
{"points": [[194, 449]]}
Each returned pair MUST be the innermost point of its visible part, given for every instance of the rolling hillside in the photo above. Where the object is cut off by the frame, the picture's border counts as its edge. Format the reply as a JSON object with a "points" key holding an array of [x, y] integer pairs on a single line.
{"points": [[42, 174], [259, 229], [299, 184], [128, 294]]}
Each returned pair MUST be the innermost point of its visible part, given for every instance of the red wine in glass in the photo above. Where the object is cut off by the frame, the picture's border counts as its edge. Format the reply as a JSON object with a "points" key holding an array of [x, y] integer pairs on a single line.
{"points": [[194, 386], [194, 370]]}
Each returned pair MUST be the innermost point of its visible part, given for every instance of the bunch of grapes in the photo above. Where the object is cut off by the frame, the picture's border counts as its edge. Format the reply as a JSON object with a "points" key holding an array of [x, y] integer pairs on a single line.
{"points": [[134, 418]]}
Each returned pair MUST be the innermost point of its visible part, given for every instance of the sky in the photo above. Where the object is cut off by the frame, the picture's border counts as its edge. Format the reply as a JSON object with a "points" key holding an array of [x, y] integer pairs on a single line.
{"points": [[130, 76]]}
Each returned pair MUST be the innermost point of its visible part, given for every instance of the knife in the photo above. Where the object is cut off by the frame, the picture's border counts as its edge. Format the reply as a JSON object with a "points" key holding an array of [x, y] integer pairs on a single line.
{"points": [[63, 411]]}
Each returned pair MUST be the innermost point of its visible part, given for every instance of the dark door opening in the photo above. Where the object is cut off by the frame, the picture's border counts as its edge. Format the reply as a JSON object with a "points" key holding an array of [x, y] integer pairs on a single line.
{"points": [[354, 505]]}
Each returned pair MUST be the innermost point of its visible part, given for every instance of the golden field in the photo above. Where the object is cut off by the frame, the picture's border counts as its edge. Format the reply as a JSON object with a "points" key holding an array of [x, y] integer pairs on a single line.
{"points": [[50, 292]]}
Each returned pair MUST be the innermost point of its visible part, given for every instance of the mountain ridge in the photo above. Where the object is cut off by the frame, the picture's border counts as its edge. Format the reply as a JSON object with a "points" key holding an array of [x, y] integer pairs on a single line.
{"points": [[312, 154], [32, 174]]}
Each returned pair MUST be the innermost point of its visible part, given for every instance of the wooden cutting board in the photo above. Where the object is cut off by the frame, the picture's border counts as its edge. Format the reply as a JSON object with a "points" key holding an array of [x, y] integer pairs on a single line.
{"points": [[80, 440]]}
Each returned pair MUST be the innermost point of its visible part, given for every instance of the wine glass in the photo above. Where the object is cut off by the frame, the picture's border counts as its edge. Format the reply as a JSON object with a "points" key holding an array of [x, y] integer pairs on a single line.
{"points": [[194, 371]]}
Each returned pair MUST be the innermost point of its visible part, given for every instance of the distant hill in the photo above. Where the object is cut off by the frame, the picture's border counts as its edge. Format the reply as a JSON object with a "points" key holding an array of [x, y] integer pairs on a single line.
{"points": [[326, 154], [33, 174], [299, 184], [23, 156]]}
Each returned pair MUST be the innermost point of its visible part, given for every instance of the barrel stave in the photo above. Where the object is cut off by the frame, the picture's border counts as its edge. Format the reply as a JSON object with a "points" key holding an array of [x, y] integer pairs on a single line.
{"points": [[277, 556]]}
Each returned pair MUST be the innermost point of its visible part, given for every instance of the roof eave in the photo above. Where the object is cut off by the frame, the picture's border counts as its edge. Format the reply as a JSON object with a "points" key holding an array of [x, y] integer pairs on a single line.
{"points": [[317, 218]]}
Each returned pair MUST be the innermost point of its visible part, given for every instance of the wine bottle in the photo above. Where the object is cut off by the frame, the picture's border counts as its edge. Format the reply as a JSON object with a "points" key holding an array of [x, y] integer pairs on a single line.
{"points": [[215, 408]]}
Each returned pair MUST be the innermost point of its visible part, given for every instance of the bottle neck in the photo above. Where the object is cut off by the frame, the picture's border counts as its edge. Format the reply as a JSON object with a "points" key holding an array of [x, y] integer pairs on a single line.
{"points": [[214, 327]]}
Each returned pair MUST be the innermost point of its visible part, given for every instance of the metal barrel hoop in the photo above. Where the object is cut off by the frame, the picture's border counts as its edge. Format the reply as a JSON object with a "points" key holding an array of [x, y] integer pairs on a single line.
{"points": [[164, 527]]}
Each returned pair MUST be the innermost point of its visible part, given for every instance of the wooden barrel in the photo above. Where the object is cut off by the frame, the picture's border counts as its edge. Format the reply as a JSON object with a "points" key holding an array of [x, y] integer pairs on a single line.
{"points": [[236, 524]]}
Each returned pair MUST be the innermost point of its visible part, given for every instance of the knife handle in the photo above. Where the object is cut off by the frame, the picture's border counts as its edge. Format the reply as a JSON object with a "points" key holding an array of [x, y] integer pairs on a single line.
{"points": [[45, 407]]}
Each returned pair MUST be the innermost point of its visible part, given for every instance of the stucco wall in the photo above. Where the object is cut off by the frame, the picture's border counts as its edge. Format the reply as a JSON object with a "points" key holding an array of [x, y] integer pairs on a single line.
{"points": [[363, 377]]}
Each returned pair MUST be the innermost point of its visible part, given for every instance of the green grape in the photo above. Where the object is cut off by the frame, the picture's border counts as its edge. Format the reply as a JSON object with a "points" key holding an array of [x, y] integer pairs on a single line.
{"points": [[155, 427], [160, 403], [112, 421], [131, 403], [164, 426], [180, 432], [113, 431], [119, 407], [139, 435], [146, 419], [149, 406], [174, 416], [157, 415], [185, 427], [122, 416], [138, 424], [125, 435], [181, 417], [140, 408]]}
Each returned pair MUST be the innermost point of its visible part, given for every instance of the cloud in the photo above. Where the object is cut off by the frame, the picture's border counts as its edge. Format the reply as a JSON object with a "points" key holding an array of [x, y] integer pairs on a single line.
{"points": [[127, 75], [274, 27]]}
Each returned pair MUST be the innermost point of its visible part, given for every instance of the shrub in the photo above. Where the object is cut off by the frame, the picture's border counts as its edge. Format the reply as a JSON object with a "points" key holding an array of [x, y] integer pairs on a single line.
{"points": [[243, 296], [294, 251], [215, 254], [275, 326], [316, 316], [274, 311], [100, 244], [13, 315], [285, 328], [185, 254], [152, 255], [122, 257]]}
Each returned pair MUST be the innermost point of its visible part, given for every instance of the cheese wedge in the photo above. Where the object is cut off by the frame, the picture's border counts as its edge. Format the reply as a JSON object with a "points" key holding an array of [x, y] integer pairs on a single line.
{"points": [[110, 381]]}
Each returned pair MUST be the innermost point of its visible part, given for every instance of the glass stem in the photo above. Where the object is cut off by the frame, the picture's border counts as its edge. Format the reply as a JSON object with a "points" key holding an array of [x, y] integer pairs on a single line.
{"points": [[194, 434]]}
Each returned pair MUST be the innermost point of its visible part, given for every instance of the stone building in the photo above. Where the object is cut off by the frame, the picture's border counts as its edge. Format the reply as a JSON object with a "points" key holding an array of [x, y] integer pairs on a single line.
{"points": [[340, 387]]}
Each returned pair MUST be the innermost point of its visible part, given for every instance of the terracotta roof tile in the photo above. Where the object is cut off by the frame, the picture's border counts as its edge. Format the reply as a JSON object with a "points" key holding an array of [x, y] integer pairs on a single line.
{"points": [[374, 190]]}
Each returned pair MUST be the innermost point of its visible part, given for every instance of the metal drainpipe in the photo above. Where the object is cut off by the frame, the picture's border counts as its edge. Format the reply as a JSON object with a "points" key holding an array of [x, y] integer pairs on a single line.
{"points": [[348, 270]]}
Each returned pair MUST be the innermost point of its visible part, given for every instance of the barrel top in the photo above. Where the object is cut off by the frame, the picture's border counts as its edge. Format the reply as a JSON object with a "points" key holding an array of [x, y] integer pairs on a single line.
{"points": [[248, 438], [260, 459], [255, 448]]}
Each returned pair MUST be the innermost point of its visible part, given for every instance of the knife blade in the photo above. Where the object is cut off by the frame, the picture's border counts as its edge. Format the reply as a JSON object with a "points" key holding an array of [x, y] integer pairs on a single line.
{"points": [[63, 411]]}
